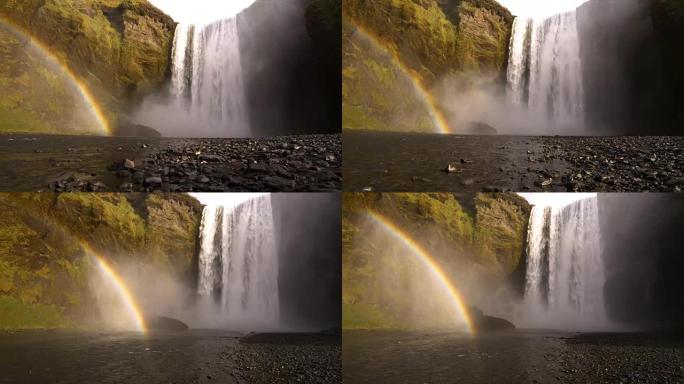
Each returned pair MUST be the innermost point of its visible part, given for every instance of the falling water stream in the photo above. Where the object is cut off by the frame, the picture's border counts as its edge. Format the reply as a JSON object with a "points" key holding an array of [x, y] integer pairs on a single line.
{"points": [[545, 72], [565, 274], [238, 265], [207, 77]]}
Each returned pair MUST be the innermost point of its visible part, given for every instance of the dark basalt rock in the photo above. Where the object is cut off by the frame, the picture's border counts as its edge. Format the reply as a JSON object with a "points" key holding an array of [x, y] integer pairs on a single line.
{"points": [[476, 128], [136, 130], [161, 323], [482, 322]]}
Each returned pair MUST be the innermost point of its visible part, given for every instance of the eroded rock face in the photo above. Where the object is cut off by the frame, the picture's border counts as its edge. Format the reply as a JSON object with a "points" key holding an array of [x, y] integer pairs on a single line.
{"points": [[120, 49]]}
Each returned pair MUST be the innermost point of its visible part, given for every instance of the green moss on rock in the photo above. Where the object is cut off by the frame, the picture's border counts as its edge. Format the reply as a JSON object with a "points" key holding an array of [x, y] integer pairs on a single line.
{"points": [[120, 49], [44, 267], [415, 41]]}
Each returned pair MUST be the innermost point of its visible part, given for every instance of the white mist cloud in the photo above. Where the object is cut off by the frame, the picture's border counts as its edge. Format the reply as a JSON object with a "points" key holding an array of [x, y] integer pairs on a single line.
{"points": [[540, 8], [201, 11], [225, 199], [555, 199]]}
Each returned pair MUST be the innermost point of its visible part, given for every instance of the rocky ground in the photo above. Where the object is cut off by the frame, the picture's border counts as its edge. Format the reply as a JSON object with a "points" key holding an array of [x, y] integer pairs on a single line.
{"points": [[471, 164], [288, 358], [622, 164], [512, 357], [622, 358], [93, 164], [188, 357]]}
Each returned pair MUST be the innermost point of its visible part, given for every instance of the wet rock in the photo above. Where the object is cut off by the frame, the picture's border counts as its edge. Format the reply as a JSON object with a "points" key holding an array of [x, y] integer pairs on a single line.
{"points": [[161, 323], [278, 183], [211, 158], [451, 168], [153, 180], [129, 164]]}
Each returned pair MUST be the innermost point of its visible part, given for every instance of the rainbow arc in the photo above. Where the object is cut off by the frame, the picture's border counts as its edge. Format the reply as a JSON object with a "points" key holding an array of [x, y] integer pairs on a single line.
{"points": [[431, 105], [430, 264], [47, 53]]}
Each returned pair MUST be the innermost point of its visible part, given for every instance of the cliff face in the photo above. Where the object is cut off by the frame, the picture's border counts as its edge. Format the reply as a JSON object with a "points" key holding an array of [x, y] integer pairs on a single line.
{"points": [[382, 281], [119, 48], [44, 266], [625, 86], [631, 58], [642, 248], [668, 20], [290, 60], [392, 46]]}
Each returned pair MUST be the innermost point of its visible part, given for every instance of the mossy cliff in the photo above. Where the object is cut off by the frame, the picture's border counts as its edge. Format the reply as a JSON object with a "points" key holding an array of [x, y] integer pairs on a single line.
{"points": [[390, 44], [485, 242], [44, 267], [120, 48]]}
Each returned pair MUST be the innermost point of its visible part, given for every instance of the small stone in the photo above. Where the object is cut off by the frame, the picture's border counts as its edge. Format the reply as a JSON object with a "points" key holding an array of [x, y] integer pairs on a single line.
{"points": [[129, 164], [259, 168], [153, 180], [211, 158], [451, 168]]}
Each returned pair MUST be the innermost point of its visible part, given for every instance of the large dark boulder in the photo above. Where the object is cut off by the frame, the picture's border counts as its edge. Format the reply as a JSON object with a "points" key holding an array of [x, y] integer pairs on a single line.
{"points": [[161, 323], [482, 322]]}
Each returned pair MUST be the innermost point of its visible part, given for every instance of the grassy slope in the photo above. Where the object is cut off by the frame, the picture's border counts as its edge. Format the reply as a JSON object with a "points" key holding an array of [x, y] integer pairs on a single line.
{"points": [[44, 269], [121, 48], [377, 284], [432, 39]]}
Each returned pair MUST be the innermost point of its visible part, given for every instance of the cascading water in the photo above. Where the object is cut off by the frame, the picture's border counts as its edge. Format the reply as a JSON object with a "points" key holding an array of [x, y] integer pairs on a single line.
{"points": [[238, 265], [565, 272], [545, 72], [207, 77]]}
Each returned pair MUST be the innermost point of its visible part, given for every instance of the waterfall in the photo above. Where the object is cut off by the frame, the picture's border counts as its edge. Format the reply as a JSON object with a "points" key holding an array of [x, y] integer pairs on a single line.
{"points": [[544, 73], [238, 265], [207, 77], [565, 274]]}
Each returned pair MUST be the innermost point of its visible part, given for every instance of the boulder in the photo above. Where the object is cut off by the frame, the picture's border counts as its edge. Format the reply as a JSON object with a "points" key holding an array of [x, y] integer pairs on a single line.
{"points": [[476, 128], [161, 323], [482, 322]]}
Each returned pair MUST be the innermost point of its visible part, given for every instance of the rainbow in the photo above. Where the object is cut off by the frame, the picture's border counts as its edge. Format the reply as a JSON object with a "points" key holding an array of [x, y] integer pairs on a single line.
{"points": [[121, 289], [429, 262], [64, 70], [431, 104]]}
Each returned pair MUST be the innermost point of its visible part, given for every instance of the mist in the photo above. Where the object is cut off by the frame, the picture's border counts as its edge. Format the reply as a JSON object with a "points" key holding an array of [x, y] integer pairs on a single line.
{"points": [[594, 263], [301, 235], [642, 249], [598, 70], [307, 231], [284, 82]]}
